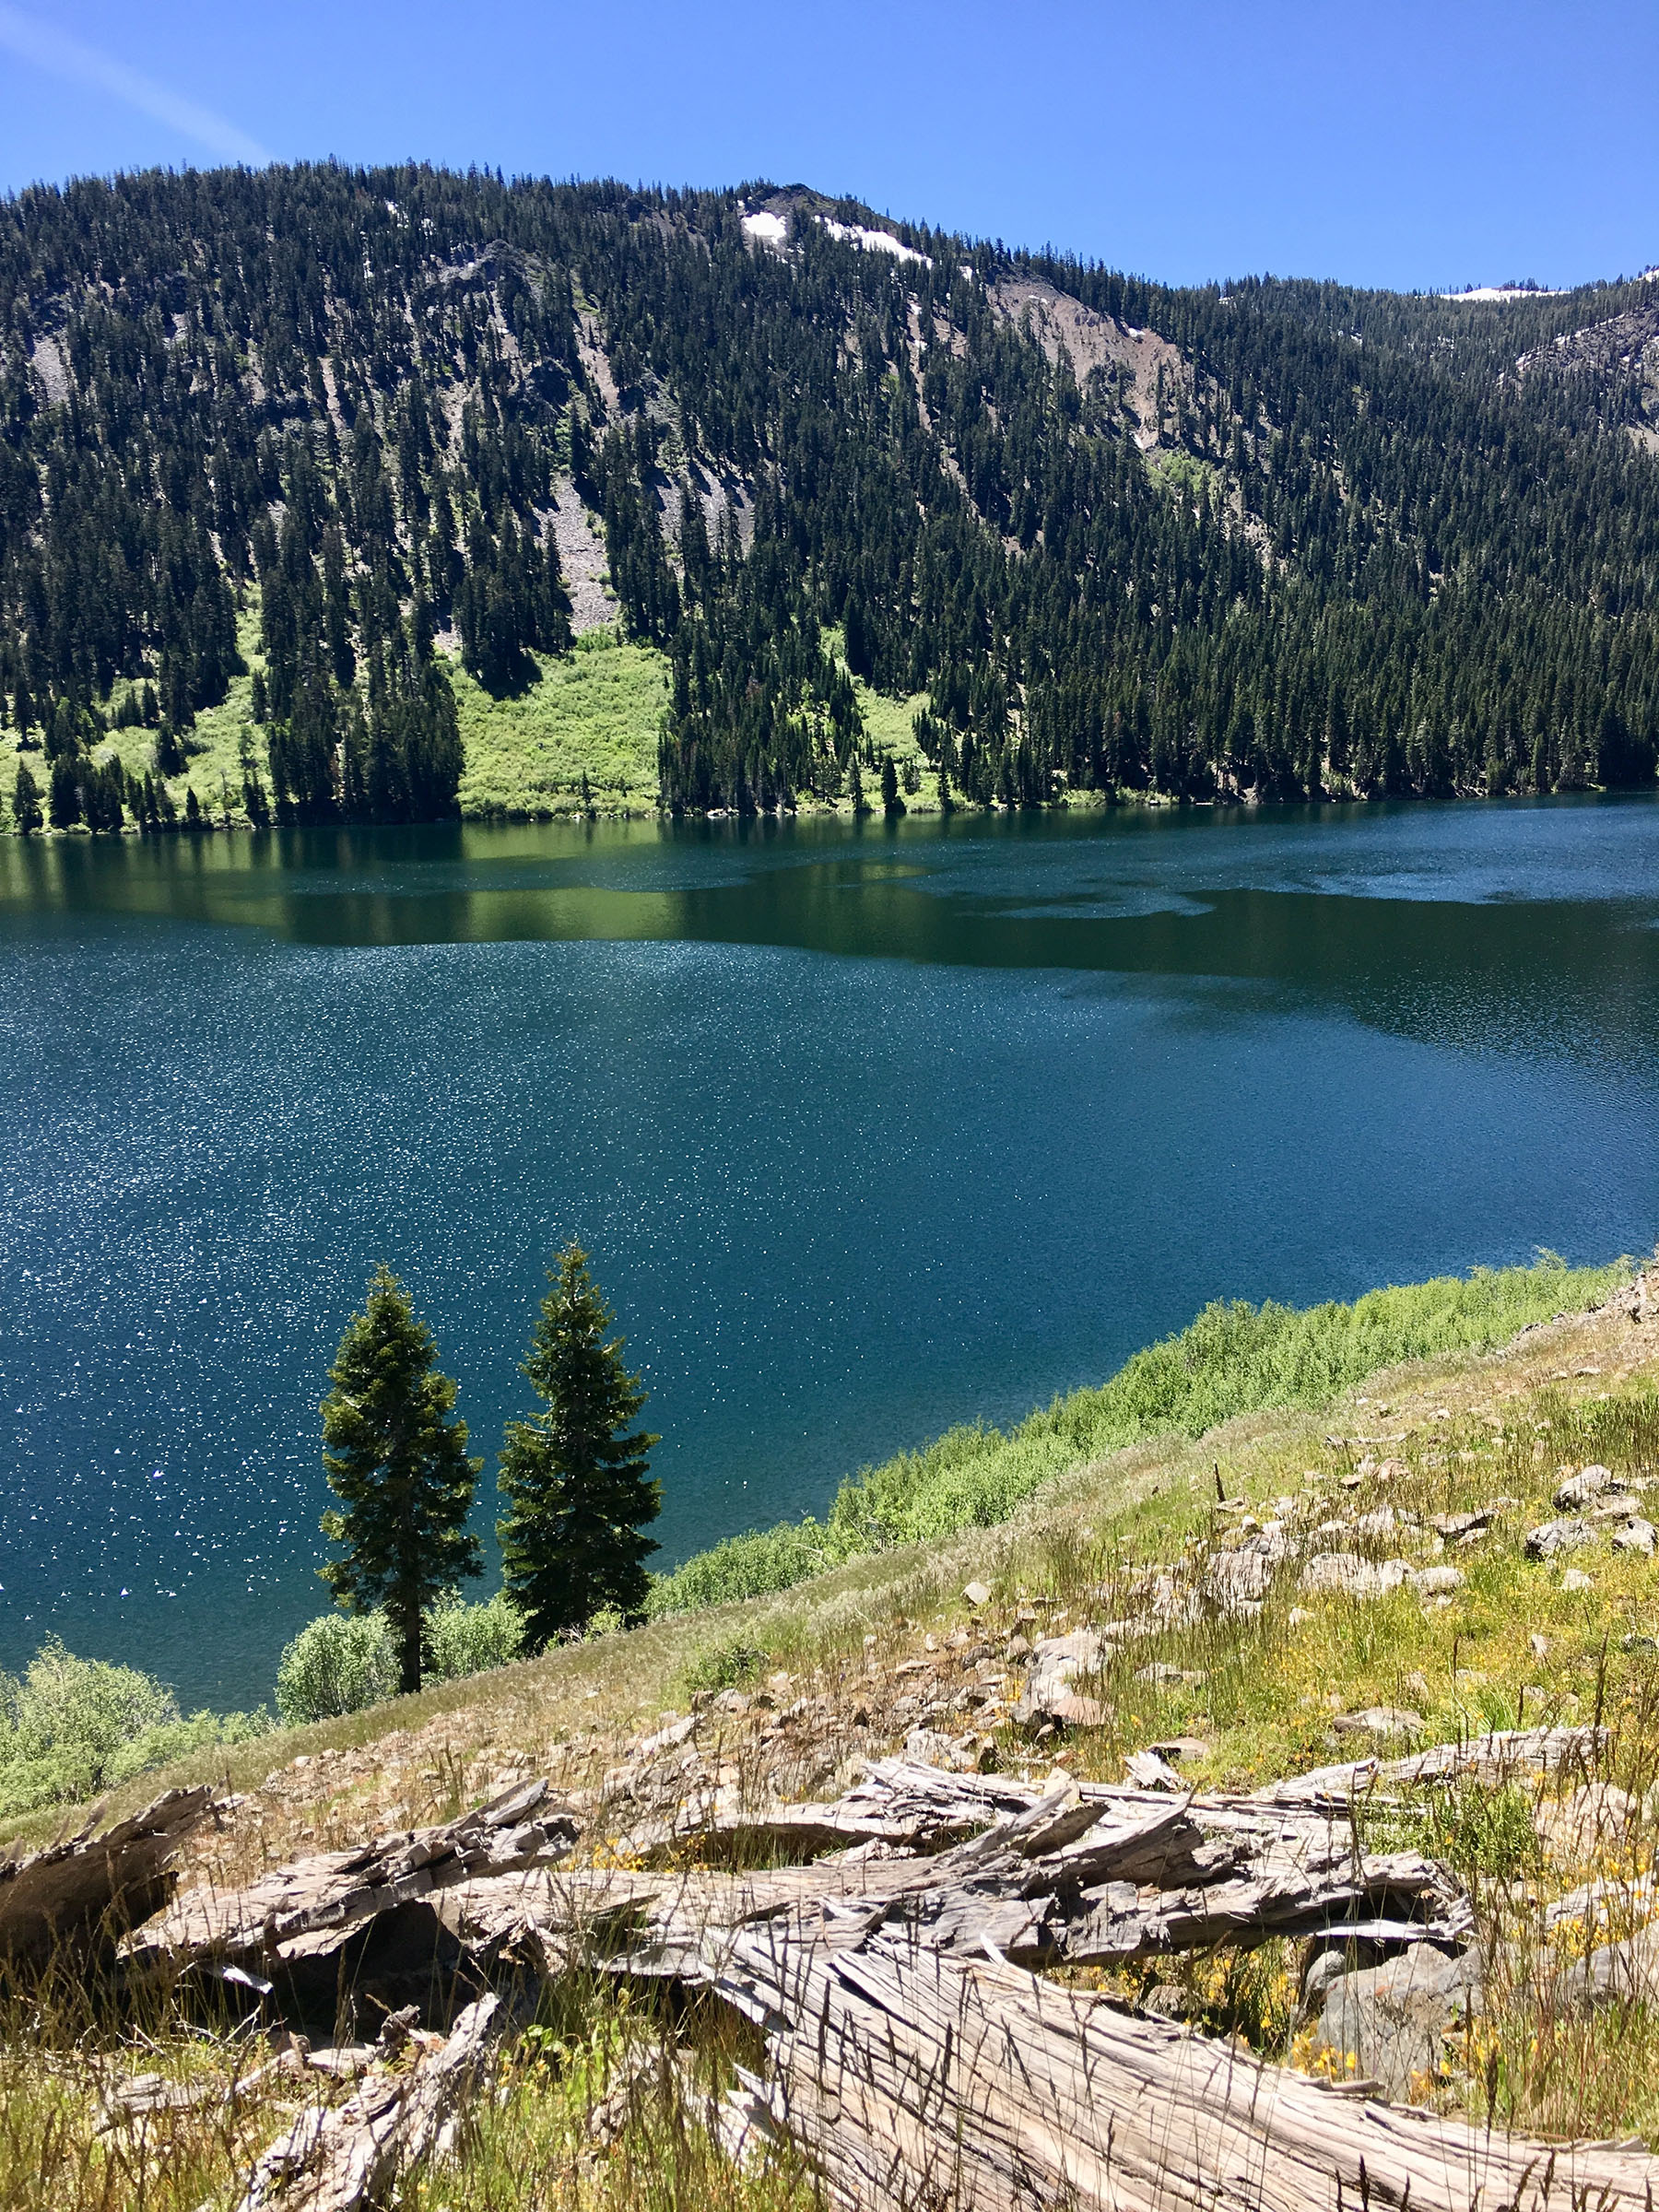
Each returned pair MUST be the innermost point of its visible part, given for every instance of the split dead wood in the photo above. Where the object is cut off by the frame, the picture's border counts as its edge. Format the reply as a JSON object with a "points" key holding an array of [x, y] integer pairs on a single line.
{"points": [[1096, 1876], [314, 1904], [92, 1887], [342, 2159], [906, 2076], [1506, 1755]]}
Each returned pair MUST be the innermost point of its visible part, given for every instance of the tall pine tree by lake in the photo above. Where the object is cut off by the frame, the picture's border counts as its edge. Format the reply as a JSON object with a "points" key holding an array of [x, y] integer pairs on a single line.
{"points": [[576, 1480], [396, 1459]]}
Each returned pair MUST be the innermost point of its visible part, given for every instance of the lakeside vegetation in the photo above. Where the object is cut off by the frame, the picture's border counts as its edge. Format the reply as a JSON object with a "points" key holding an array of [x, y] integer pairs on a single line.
{"points": [[1234, 1359], [1252, 1698], [76, 1726]]}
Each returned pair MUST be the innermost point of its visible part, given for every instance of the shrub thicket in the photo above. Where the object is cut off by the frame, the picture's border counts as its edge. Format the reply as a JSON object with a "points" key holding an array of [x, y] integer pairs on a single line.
{"points": [[1233, 1358], [70, 1727], [342, 1662]]}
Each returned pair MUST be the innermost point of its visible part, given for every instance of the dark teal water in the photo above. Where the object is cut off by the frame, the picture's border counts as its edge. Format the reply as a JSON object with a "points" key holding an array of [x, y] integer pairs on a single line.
{"points": [[869, 1131]]}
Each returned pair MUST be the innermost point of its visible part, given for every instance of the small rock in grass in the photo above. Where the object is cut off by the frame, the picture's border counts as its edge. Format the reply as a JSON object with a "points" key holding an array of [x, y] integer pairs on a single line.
{"points": [[1391, 2019], [1073, 1710], [1176, 1748], [1436, 1582], [1575, 1578], [1383, 1723], [1636, 1535], [1577, 1491], [976, 1594], [1347, 1573], [1553, 1537], [1161, 1674], [1599, 1813], [1453, 1526], [1538, 1646], [1624, 1972]]}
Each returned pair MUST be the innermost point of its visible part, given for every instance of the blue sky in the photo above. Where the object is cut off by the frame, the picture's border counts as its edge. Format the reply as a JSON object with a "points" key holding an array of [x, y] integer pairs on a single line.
{"points": [[1415, 144]]}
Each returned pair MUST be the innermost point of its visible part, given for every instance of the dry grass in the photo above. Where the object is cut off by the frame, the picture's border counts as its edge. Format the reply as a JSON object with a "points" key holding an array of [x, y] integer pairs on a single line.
{"points": [[819, 1663]]}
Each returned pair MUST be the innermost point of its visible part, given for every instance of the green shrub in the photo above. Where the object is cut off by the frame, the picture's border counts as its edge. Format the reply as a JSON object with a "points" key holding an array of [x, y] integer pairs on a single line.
{"points": [[1233, 1358], [71, 1727], [342, 1662], [725, 1665], [747, 1566], [339, 1663], [468, 1640]]}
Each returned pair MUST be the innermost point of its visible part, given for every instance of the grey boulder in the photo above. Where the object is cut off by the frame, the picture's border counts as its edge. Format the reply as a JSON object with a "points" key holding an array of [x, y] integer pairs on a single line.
{"points": [[1390, 2019]]}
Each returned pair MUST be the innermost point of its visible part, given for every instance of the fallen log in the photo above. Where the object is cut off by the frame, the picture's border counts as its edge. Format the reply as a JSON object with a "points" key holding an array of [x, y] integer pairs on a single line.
{"points": [[330, 1894], [907, 2076], [88, 1891], [351, 2155], [1099, 1874], [1072, 1879], [1506, 1755]]}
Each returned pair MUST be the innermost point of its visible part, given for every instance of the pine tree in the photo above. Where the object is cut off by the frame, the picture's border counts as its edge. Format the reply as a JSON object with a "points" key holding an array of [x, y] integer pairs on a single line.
{"points": [[575, 1479], [26, 802], [397, 1462]]}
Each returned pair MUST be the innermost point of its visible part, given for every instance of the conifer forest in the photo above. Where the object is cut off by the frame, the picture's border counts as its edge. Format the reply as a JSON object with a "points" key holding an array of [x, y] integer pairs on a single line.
{"points": [[1264, 539]]}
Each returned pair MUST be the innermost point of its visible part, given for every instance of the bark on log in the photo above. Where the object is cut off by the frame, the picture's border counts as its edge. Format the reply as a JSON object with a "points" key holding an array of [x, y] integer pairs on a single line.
{"points": [[907, 2076], [342, 2159], [89, 1890]]}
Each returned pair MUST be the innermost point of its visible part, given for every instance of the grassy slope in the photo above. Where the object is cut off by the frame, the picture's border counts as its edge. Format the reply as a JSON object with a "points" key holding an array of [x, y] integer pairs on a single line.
{"points": [[595, 712], [1513, 1643], [1232, 1359]]}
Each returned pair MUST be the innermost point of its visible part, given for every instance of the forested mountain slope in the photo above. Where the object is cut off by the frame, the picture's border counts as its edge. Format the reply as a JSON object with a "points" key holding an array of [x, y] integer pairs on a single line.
{"points": [[281, 448]]}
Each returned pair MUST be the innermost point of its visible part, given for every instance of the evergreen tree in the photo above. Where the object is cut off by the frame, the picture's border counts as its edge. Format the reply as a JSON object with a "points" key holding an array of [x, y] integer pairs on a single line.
{"points": [[65, 801], [397, 1462], [574, 1476], [26, 802]]}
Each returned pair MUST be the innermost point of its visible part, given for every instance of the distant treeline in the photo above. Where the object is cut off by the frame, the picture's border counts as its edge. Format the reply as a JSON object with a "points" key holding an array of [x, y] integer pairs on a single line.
{"points": [[1367, 553]]}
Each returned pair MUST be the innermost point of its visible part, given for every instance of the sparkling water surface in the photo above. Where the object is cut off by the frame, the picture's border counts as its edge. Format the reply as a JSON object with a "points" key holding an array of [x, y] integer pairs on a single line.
{"points": [[869, 1130]]}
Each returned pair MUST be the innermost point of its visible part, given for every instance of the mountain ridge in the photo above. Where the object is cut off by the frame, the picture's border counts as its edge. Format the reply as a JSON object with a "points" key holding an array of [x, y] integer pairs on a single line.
{"points": [[1271, 539]]}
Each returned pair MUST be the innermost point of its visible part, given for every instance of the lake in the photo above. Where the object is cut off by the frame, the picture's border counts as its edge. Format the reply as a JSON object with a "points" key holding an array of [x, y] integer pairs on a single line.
{"points": [[868, 1129]]}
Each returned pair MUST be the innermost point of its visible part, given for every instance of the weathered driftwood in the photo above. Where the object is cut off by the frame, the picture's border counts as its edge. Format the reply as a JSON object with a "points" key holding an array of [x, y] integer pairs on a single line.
{"points": [[340, 2159], [911, 2078], [1507, 1755], [93, 1887], [317, 1902], [1097, 1875], [1083, 1878]]}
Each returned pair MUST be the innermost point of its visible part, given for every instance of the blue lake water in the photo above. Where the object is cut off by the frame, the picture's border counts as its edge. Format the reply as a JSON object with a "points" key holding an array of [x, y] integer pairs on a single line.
{"points": [[868, 1130]]}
